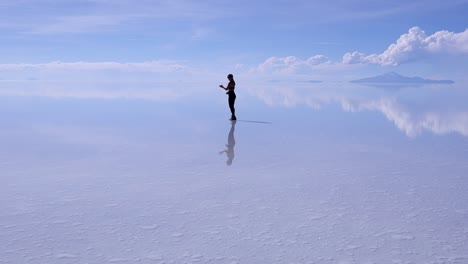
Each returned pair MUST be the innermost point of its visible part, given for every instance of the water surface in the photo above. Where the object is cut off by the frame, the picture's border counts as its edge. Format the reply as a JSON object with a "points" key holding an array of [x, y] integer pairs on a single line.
{"points": [[155, 173]]}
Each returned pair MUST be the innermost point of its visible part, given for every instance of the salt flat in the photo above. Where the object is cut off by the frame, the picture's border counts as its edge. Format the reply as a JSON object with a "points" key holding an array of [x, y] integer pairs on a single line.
{"points": [[155, 173]]}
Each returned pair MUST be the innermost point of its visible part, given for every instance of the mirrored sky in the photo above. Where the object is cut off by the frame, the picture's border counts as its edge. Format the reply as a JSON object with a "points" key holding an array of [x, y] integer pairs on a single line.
{"points": [[99, 172]]}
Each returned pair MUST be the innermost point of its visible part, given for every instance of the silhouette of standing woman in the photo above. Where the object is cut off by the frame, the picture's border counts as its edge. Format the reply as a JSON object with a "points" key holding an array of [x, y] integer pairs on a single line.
{"points": [[232, 96]]}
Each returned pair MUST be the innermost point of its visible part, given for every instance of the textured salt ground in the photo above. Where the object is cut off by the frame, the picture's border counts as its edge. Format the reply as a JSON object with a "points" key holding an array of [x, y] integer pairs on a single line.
{"points": [[412, 213]]}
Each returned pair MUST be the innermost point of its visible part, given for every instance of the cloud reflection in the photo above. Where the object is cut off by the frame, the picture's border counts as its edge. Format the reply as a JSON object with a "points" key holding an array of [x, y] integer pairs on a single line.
{"points": [[152, 91], [440, 114], [413, 110]]}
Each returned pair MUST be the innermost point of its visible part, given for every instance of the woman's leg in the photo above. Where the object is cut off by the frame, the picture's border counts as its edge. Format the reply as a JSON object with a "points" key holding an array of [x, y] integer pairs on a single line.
{"points": [[232, 100]]}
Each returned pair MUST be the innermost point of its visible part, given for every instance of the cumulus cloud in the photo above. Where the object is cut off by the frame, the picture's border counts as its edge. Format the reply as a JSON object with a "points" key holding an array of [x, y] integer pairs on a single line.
{"points": [[353, 57], [290, 64], [414, 45], [150, 66]]}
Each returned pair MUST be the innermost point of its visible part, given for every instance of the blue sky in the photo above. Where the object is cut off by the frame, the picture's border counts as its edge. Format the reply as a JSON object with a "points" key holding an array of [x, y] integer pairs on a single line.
{"points": [[291, 40]]}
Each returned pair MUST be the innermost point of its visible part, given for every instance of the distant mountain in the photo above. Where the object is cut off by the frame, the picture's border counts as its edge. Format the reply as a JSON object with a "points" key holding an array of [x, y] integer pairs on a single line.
{"points": [[393, 77]]}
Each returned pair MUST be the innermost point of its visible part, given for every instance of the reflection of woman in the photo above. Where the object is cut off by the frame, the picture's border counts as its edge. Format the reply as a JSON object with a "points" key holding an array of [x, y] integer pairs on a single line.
{"points": [[230, 145], [232, 96]]}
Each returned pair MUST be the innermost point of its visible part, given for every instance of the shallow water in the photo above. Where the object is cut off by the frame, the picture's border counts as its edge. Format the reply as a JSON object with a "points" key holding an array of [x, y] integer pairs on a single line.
{"points": [[155, 173]]}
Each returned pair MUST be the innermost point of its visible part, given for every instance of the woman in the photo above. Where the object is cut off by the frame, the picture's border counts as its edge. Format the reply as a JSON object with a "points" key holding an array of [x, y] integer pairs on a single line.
{"points": [[232, 96]]}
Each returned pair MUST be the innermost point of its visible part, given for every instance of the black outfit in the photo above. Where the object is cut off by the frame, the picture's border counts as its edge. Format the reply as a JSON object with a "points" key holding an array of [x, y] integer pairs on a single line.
{"points": [[232, 99]]}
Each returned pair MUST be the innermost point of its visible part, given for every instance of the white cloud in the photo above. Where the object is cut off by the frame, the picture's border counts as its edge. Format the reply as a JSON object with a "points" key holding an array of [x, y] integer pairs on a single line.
{"points": [[353, 57], [290, 64], [414, 45], [149, 66]]}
